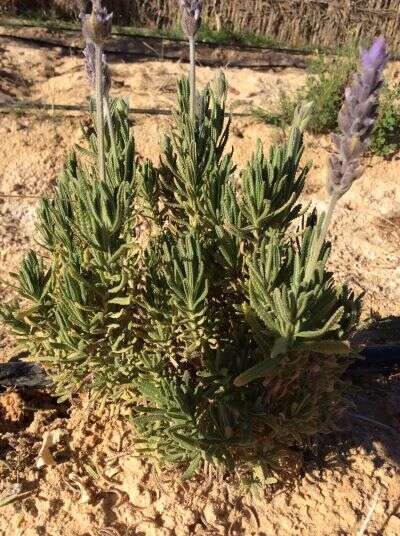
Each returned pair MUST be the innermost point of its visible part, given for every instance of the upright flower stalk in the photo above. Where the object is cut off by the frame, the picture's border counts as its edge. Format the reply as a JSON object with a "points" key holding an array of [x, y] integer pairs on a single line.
{"points": [[356, 122], [100, 112], [96, 30], [90, 66], [191, 21]]}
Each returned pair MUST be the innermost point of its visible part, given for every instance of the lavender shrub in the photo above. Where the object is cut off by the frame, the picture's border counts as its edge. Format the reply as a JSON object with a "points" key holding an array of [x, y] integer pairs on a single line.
{"points": [[221, 329]]}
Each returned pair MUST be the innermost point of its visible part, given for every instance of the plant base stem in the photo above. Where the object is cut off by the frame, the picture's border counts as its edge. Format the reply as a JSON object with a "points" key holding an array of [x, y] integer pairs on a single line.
{"points": [[320, 239]]}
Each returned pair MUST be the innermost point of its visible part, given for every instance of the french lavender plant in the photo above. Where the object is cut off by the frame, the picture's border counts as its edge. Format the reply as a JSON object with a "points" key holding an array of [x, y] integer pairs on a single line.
{"points": [[356, 121], [96, 28], [191, 21], [220, 328]]}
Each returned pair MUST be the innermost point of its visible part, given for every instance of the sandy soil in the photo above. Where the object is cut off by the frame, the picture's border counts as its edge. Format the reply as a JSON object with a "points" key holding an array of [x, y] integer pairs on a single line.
{"points": [[337, 480]]}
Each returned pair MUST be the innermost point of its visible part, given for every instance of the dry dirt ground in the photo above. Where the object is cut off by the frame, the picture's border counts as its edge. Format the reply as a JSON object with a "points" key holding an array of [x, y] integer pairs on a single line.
{"points": [[337, 480]]}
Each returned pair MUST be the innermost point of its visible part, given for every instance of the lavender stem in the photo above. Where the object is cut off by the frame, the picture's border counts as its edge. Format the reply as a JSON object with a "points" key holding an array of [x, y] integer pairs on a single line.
{"points": [[317, 247], [100, 111], [191, 21], [192, 78]]}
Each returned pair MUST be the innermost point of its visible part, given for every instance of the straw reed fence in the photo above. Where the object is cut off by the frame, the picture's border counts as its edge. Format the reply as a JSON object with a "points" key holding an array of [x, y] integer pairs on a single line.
{"points": [[297, 22]]}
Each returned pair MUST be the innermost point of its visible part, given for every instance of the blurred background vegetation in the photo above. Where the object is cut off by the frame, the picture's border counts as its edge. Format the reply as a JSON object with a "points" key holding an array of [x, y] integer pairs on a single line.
{"points": [[302, 23], [327, 78], [319, 28]]}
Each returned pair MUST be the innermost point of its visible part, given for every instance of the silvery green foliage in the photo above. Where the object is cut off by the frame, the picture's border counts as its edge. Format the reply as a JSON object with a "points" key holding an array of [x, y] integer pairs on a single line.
{"points": [[179, 290], [357, 119], [76, 297]]}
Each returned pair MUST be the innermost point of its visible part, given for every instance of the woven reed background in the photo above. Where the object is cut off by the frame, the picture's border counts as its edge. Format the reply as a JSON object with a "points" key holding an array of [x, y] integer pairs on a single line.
{"points": [[297, 22]]}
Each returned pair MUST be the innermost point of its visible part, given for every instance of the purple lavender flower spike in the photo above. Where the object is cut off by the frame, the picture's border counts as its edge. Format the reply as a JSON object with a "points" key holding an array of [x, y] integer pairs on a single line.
{"points": [[89, 61], [357, 120], [90, 68], [376, 56], [191, 16]]}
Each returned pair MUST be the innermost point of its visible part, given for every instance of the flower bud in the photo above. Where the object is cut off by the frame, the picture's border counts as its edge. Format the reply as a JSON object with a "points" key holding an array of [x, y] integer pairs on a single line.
{"points": [[191, 16], [96, 26]]}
